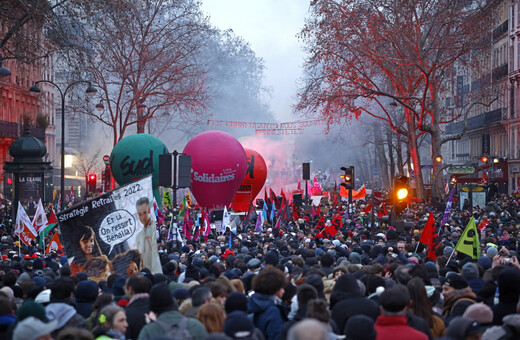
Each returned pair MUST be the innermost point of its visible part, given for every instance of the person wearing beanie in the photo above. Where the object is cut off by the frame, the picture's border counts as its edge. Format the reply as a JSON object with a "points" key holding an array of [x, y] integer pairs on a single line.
{"points": [[479, 312], [457, 296], [346, 300], [236, 301], [86, 293], [165, 308], [360, 327], [447, 251], [470, 273], [238, 325], [491, 252], [462, 328]]}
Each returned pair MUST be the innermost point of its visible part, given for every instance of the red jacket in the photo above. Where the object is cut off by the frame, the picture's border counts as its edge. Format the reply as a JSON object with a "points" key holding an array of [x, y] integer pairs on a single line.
{"points": [[396, 328]]}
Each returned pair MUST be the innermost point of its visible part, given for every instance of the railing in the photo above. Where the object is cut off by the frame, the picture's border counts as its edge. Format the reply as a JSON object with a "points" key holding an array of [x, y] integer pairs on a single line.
{"points": [[9, 130], [500, 30]]}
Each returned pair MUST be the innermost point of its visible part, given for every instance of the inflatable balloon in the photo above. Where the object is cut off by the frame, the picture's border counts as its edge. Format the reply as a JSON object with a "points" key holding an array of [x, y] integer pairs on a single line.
{"points": [[218, 166], [253, 181], [137, 156]]}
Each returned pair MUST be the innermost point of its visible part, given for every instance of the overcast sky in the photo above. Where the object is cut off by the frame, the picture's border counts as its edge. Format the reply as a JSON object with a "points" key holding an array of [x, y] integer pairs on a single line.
{"points": [[270, 26]]}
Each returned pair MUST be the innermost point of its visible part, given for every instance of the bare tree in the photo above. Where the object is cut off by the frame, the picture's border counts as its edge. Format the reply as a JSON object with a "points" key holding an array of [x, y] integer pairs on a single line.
{"points": [[142, 55], [366, 54]]}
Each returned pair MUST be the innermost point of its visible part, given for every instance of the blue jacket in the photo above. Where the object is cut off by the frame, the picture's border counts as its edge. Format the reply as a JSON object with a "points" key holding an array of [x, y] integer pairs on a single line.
{"points": [[267, 317]]}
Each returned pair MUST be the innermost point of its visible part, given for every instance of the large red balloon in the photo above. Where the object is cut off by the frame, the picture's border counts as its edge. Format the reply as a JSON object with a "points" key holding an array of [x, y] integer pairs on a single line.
{"points": [[218, 166], [253, 181]]}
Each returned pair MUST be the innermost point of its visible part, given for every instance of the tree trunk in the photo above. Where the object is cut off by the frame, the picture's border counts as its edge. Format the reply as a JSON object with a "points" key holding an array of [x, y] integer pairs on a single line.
{"points": [[414, 154], [380, 153], [389, 141]]}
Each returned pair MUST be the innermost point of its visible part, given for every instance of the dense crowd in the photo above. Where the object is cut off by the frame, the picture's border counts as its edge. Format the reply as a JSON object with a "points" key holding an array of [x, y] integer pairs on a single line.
{"points": [[369, 281]]}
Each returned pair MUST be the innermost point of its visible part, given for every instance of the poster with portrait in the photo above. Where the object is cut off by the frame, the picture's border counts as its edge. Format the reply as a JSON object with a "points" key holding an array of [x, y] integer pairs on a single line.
{"points": [[112, 233]]}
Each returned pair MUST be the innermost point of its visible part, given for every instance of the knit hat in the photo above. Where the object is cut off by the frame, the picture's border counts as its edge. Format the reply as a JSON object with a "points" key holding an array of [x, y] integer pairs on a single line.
{"points": [[479, 312], [235, 301], [485, 262], [360, 327], [447, 251], [456, 281], [31, 308], [238, 325], [253, 263], [43, 297], [181, 294], [491, 252], [470, 271], [32, 328], [161, 299], [460, 327]]}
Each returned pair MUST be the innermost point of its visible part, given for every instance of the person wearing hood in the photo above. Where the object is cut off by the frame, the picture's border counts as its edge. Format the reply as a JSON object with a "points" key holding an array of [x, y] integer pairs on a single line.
{"points": [[346, 300], [86, 293], [269, 287], [509, 291], [61, 306]]}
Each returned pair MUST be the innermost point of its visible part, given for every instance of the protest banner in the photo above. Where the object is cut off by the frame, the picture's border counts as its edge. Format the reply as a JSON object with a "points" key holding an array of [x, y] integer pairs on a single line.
{"points": [[114, 232]]}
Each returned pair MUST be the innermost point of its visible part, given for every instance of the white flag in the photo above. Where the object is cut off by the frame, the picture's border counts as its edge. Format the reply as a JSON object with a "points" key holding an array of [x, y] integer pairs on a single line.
{"points": [[226, 221], [24, 227], [39, 219]]}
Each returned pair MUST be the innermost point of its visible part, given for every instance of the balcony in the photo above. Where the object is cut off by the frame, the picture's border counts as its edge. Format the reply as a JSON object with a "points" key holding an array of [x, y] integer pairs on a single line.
{"points": [[9, 130], [12, 130], [477, 122], [501, 72], [501, 30]]}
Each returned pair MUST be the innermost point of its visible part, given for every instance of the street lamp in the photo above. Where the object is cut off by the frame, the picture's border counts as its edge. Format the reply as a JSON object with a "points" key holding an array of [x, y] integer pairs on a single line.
{"points": [[91, 90]]}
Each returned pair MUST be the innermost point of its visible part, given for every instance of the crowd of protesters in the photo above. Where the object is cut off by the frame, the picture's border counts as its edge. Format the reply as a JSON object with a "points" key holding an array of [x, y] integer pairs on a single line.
{"points": [[367, 282]]}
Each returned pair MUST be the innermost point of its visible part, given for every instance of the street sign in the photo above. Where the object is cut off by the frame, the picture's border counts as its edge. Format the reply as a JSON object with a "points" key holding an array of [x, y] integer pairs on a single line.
{"points": [[375, 172], [460, 169], [473, 188]]}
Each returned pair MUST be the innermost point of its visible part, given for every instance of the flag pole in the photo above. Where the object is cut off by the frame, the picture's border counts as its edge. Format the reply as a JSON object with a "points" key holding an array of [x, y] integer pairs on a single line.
{"points": [[449, 258]]}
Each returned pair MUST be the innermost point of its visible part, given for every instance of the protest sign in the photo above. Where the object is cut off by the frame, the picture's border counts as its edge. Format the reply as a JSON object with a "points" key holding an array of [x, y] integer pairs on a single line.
{"points": [[114, 232]]}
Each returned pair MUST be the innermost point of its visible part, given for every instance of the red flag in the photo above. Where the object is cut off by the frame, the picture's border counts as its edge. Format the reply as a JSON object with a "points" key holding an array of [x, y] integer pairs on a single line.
{"points": [[299, 187], [382, 211], [318, 210], [428, 237], [484, 180], [52, 218], [483, 224], [334, 227], [54, 244], [321, 223], [295, 212], [335, 199], [368, 209]]}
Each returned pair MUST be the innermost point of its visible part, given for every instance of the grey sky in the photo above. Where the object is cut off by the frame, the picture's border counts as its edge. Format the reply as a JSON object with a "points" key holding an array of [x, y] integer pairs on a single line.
{"points": [[270, 26]]}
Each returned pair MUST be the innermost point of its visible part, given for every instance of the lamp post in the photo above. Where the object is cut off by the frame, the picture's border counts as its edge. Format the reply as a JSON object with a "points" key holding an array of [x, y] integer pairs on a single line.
{"points": [[91, 90]]}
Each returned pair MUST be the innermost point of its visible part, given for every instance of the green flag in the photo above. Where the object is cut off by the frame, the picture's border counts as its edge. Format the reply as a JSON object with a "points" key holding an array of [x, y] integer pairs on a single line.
{"points": [[52, 222], [469, 243]]}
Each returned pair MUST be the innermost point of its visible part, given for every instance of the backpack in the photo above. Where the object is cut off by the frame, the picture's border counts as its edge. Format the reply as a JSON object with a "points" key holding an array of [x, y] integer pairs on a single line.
{"points": [[177, 330]]}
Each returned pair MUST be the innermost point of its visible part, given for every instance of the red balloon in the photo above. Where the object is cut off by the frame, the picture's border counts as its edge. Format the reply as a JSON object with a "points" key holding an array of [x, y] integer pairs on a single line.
{"points": [[253, 181], [218, 166]]}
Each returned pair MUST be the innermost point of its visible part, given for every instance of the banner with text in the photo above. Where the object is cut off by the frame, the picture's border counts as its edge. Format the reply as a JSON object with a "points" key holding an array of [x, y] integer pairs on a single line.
{"points": [[114, 232]]}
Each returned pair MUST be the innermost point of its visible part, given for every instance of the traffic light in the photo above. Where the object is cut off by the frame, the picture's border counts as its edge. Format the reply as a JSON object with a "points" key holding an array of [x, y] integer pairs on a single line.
{"points": [[92, 183], [107, 179], [401, 192], [348, 177], [484, 159]]}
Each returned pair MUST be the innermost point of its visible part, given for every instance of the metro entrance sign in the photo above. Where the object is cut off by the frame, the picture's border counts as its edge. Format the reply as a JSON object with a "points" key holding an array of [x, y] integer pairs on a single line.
{"points": [[460, 169]]}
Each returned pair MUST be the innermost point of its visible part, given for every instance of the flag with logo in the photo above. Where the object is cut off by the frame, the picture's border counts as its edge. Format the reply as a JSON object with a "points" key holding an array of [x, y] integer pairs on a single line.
{"points": [[52, 222], [54, 244], [24, 227], [382, 211], [429, 237], [483, 224], [335, 225], [368, 209], [469, 243], [484, 180], [39, 219], [186, 203]]}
